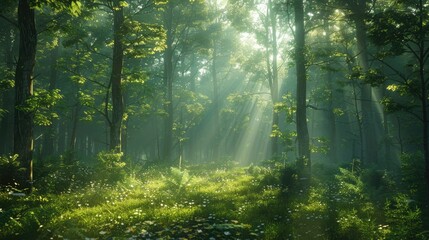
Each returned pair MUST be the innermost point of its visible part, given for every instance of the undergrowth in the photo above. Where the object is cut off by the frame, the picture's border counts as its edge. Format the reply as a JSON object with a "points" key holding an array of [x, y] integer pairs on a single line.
{"points": [[211, 202]]}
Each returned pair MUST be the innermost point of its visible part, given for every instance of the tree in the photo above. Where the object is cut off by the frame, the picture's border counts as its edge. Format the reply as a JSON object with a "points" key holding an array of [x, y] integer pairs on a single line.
{"points": [[399, 31], [23, 124], [358, 9], [116, 77], [304, 160], [179, 18], [168, 82], [24, 112], [8, 40]]}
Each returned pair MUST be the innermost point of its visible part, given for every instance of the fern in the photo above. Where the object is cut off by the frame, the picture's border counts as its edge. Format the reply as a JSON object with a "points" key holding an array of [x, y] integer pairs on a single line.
{"points": [[178, 179]]}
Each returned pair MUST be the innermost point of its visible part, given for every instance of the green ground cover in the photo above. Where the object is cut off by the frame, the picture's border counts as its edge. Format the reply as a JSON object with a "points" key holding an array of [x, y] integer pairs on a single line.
{"points": [[203, 202]]}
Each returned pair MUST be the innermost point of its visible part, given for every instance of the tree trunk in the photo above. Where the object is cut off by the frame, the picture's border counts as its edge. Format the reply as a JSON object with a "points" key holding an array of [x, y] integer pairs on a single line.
{"points": [[168, 84], [330, 115], [23, 124], [367, 108], [304, 160], [50, 131], [73, 134], [424, 95], [216, 139], [116, 78], [6, 120], [275, 76]]}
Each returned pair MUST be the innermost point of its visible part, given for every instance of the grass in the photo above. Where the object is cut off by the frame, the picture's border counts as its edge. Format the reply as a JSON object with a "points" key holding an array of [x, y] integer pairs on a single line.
{"points": [[201, 203]]}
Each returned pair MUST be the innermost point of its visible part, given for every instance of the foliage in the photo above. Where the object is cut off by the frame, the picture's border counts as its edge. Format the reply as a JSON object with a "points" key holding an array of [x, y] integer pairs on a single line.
{"points": [[9, 169], [58, 175], [40, 104], [178, 180], [379, 184], [110, 166], [404, 218], [220, 203], [412, 176], [357, 215], [289, 178]]}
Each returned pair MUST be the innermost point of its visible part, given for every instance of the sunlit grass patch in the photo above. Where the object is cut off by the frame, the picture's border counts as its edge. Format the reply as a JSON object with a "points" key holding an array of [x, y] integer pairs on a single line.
{"points": [[239, 203]]}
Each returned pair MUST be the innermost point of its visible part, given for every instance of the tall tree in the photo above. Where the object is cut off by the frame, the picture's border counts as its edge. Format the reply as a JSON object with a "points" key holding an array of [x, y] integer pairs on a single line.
{"points": [[116, 77], [273, 73], [168, 82], [359, 12], [304, 161], [9, 32], [23, 124], [400, 32], [24, 111]]}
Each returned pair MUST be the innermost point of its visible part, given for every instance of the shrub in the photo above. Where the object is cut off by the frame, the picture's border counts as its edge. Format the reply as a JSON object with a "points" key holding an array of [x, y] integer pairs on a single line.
{"points": [[412, 175], [379, 184], [61, 178], [356, 214], [289, 178], [404, 218], [177, 179], [110, 166], [9, 169]]}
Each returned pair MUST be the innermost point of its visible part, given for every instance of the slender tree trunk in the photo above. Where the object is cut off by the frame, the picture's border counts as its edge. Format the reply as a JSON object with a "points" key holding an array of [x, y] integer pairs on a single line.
{"points": [[50, 131], [215, 81], [23, 124], [192, 139], [116, 78], [332, 123], [275, 76], [73, 133], [367, 108], [330, 115], [71, 139], [304, 160], [168, 84], [424, 89], [6, 120]]}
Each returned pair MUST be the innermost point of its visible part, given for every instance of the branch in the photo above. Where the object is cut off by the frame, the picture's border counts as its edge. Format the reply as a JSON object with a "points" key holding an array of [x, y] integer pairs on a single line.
{"points": [[401, 75], [89, 48]]}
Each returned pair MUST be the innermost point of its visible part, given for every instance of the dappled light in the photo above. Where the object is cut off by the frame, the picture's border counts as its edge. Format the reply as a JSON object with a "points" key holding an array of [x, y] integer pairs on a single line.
{"points": [[214, 119]]}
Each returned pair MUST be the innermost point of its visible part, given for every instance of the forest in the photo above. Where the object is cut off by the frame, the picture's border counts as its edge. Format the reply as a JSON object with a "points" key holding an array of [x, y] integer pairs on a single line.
{"points": [[214, 119]]}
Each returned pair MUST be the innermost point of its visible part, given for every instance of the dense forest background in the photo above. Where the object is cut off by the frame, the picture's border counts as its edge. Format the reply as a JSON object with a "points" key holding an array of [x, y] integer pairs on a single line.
{"points": [[317, 91]]}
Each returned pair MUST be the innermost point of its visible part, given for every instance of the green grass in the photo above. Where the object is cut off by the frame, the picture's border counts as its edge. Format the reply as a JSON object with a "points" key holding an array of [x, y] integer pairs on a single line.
{"points": [[204, 203]]}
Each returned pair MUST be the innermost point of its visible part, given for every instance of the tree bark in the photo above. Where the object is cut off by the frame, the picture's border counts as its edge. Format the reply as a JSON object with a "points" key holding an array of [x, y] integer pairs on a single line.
{"points": [[6, 120], [330, 115], [304, 160], [168, 84], [424, 95], [216, 139], [367, 108], [275, 77], [50, 131], [23, 121], [116, 78]]}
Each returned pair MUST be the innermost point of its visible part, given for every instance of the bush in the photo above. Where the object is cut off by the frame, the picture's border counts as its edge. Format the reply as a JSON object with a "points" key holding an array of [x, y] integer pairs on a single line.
{"points": [[412, 175], [404, 218], [356, 214], [379, 184], [110, 166], [177, 179], [289, 178], [60, 178], [9, 169]]}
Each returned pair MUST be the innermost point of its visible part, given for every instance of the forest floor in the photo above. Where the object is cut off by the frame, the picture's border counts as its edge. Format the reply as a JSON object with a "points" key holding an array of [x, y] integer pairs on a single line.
{"points": [[200, 203]]}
